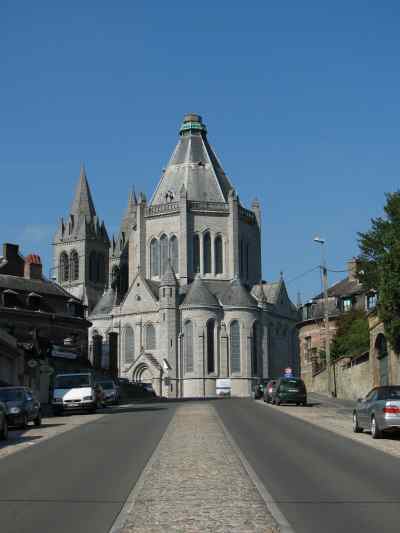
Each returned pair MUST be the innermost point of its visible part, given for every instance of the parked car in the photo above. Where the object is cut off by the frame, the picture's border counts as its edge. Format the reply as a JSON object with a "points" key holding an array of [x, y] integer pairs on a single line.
{"points": [[21, 406], [110, 391], [378, 412], [148, 388], [269, 390], [3, 422], [290, 390], [77, 391], [259, 390]]}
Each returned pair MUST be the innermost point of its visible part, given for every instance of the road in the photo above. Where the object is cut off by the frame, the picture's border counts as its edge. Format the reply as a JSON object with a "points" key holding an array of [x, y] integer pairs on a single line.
{"points": [[78, 481], [321, 481]]}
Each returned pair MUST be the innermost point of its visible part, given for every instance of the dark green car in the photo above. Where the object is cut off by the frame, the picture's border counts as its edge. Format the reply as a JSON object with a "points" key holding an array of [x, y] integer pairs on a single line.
{"points": [[290, 390]]}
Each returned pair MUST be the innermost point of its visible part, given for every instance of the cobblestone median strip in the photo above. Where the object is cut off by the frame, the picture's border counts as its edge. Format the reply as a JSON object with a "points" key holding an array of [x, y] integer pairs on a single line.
{"points": [[195, 482], [331, 419]]}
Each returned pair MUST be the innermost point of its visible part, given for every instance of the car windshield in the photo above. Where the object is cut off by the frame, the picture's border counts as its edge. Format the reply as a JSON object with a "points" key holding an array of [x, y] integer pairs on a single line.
{"points": [[11, 395], [391, 394], [291, 384], [75, 381], [107, 385]]}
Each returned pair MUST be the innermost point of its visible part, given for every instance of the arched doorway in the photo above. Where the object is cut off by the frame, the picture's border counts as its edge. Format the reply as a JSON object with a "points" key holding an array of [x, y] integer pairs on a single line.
{"points": [[383, 359], [142, 374]]}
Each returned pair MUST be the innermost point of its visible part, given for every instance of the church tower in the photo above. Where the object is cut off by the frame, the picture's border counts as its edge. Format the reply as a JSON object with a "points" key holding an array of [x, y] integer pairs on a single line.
{"points": [[81, 248]]}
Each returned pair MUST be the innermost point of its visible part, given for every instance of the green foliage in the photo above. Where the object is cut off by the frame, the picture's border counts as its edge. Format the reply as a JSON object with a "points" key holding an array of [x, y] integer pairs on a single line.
{"points": [[352, 334], [379, 265]]}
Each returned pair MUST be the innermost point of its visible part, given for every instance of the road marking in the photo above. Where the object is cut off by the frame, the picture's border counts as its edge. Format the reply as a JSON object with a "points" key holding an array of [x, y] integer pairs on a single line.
{"points": [[272, 506]]}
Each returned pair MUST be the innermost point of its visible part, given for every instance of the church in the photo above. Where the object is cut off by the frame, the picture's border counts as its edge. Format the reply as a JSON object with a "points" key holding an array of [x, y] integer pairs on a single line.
{"points": [[178, 293]]}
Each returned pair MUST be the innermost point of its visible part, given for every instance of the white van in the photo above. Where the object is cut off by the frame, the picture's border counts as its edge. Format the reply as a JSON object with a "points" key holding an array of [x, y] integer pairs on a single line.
{"points": [[75, 391]]}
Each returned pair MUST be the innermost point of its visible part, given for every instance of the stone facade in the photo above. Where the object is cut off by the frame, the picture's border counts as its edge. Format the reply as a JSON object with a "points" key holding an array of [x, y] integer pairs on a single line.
{"points": [[184, 293], [384, 362]]}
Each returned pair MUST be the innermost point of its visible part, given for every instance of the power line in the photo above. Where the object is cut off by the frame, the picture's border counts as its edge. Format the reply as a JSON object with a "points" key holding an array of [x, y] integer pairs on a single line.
{"points": [[303, 274]]}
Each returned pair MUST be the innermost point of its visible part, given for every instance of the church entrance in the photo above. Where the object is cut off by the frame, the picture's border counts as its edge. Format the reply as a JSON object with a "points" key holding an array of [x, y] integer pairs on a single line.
{"points": [[142, 374]]}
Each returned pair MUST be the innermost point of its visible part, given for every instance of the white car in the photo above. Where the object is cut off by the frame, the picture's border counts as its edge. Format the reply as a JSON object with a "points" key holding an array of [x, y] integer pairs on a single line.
{"points": [[75, 392]]}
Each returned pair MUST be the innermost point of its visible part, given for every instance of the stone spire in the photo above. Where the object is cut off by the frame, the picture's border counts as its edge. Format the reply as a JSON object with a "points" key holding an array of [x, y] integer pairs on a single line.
{"points": [[169, 278], [83, 203]]}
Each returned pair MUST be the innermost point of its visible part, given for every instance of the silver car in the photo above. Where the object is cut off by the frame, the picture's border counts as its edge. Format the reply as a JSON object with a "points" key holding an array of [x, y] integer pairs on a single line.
{"points": [[379, 411]]}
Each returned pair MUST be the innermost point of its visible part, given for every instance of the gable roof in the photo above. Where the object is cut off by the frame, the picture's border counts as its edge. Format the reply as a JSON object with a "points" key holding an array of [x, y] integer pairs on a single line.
{"points": [[105, 304], [193, 167]]}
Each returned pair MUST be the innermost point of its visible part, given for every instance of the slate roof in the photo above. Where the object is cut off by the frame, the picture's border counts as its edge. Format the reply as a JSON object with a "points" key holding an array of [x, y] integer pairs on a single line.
{"points": [[169, 277], [200, 295], [344, 287], [43, 286], [194, 166], [105, 304], [237, 295]]}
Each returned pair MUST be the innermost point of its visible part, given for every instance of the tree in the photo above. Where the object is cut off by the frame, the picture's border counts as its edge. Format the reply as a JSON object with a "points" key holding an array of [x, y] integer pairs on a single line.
{"points": [[379, 266], [352, 334]]}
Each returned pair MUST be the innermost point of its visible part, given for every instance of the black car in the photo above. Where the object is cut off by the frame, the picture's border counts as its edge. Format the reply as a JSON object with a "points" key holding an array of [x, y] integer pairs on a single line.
{"points": [[290, 390], [21, 406], [3, 422]]}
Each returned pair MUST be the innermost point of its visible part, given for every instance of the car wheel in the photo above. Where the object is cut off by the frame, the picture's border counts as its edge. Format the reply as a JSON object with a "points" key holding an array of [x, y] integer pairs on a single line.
{"points": [[4, 430], [376, 432], [277, 402], [38, 420], [356, 426]]}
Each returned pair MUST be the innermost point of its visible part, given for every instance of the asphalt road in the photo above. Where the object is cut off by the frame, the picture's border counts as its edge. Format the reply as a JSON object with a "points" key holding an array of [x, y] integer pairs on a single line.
{"points": [[321, 482], [78, 481]]}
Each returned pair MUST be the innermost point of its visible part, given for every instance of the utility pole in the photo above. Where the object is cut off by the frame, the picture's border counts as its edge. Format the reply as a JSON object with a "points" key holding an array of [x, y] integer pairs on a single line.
{"points": [[326, 315]]}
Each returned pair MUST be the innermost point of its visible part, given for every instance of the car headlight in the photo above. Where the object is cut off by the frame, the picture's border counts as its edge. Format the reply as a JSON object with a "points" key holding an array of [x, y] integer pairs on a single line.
{"points": [[88, 398], [15, 410]]}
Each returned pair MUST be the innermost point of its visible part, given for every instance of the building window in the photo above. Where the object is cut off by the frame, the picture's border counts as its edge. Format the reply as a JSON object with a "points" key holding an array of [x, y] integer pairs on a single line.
{"points": [[93, 266], [150, 337], [164, 254], [115, 277], [154, 258], [188, 346], [218, 255], [196, 254], [207, 253], [347, 304], [174, 253], [210, 346], [101, 268], [372, 300], [235, 346], [124, 278], [255, 348], [64, 267], [307, 348], [129, 345], [74, 265]]}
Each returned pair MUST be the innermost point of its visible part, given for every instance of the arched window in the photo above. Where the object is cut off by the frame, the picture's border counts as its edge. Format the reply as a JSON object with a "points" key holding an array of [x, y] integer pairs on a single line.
{"points": [[101, 270], [154, 258], [64, 267], [255, 348], [129, 354], [74, 265], [174, 253], [196, 254], [210, 346], [150, 337], [218, 255], [115, 278], [93, 266], [163, 254], [235, 346], [188, 346], [124, 278], [207, 253]]}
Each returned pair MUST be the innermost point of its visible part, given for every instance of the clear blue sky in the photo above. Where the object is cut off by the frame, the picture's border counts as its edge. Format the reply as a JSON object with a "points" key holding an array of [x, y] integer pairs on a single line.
{"points": [[301, 100]]}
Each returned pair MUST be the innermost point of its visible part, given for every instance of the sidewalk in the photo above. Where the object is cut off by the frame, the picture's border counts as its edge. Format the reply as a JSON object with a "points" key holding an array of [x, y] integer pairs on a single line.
{"points": [[195, 483]]}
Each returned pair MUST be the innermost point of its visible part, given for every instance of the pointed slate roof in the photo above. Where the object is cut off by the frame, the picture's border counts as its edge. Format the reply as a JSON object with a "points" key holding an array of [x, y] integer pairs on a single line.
{"points": [[199, 295], [238, 296], [105, 304], [169, 278], [83, 203], [193, 165]]}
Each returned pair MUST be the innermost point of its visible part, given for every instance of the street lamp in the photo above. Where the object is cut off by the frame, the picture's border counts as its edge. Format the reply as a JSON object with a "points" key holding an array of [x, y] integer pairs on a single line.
{"points": [[324, 269]]}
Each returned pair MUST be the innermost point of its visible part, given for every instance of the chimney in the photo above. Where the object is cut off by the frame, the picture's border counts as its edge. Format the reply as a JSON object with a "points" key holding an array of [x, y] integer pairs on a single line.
{"points": [[33, 267], [352, 269], [13, 263]]}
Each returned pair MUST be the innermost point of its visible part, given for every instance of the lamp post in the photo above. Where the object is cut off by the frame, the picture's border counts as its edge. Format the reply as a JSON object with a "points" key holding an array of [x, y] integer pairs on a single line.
{"points": [[324, 269]]}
